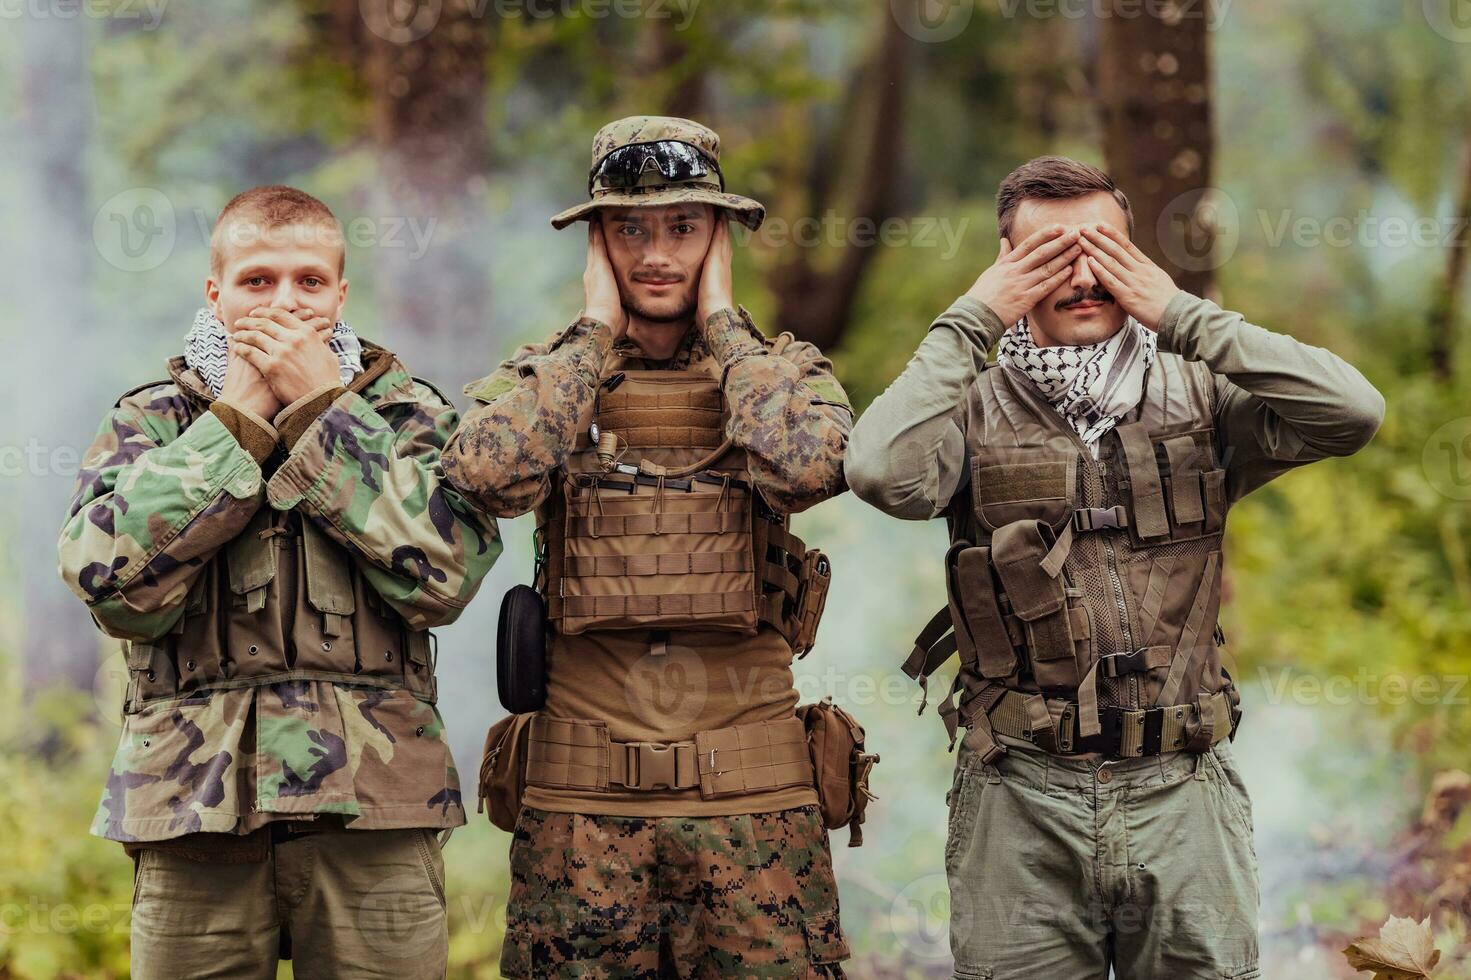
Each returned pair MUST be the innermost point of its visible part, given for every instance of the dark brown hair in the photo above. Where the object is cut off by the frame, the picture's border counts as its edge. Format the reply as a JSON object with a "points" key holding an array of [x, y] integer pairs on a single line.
{"points": [[270, 207], [1053, 179]]}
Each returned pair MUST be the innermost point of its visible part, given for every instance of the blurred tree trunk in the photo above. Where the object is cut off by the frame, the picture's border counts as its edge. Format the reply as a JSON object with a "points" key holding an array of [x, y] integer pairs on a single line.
{"points": [[1445, 314], [50, 153], [664, 62], [426, 83], [814, 300], [1154, 99]]}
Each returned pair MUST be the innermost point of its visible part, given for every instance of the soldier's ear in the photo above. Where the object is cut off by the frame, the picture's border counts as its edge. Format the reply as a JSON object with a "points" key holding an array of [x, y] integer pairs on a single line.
{"points": [[212, 297]]}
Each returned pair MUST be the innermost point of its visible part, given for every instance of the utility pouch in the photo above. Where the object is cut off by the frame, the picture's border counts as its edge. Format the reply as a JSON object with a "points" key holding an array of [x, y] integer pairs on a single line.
{"points": [[1176, 489], [503, 770], [814, 581], [1039, 600], [521, 651], [975, 608], [840, 765]]}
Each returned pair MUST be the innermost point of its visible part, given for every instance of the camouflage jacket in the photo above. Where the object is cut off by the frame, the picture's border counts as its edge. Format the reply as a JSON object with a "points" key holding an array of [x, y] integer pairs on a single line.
{"points": [[788, 413], [172, 479]]}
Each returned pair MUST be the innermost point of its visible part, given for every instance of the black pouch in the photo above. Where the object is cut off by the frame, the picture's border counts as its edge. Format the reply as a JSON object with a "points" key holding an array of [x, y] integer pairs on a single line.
{"points": [[521, 651]]}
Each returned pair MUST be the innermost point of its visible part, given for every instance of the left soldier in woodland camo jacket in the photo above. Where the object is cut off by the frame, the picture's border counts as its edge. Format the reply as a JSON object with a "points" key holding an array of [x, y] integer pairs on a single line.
{"points": [[270, 532]]}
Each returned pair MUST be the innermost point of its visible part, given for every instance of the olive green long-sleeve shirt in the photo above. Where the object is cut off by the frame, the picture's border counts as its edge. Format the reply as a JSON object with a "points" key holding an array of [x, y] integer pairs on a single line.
{"points": [[1280, 403]]}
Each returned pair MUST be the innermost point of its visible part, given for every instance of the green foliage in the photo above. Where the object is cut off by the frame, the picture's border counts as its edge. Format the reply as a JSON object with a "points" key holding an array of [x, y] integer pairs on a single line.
{"points": [[1358, 570], [64, 895]]}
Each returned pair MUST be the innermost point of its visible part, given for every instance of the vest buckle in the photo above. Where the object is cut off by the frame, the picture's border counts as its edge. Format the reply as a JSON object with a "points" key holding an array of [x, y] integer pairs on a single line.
{"points": [[1099, 518]]}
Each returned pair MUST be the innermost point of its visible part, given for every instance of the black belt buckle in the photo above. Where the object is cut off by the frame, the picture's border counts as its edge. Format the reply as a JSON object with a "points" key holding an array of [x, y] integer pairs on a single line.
{"points": [[1154, 731], [1111, 724]]}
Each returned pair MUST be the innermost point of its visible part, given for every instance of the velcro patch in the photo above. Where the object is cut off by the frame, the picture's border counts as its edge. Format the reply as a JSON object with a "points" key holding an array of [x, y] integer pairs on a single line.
{"points": [[491, 388], [829, 391]]}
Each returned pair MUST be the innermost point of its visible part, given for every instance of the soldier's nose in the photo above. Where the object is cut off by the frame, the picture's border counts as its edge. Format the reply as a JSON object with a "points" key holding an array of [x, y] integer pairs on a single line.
{"points": [[284, 297], [1082, 277]]}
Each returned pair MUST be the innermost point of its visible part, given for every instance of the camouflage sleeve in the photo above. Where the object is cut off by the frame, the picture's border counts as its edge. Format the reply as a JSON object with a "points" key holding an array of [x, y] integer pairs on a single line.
{"points": [[369, 475], [156, 497], [535, 404], [787, 411]]}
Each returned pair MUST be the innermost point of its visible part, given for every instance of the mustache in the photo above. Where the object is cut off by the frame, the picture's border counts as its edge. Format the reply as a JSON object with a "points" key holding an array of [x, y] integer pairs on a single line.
{"points": [[1095, 295]]}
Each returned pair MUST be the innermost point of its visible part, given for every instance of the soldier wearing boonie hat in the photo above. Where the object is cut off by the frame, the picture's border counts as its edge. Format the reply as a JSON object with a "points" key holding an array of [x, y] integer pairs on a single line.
{"points": [[643, 161], [671, 822]]}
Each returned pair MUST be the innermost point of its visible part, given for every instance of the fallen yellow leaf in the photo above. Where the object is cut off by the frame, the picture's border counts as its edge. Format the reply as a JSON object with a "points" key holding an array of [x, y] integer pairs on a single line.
{"points": [[1405, 950]]}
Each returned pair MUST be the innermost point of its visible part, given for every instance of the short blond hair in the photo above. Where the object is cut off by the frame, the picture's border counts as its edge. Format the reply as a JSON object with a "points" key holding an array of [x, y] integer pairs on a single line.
{"points": [[271, 207]]}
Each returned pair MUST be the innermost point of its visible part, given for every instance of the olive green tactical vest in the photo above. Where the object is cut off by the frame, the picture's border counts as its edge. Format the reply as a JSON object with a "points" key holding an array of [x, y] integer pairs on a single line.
{"points": [[655, 525], [281, 602], [1084, 593]]}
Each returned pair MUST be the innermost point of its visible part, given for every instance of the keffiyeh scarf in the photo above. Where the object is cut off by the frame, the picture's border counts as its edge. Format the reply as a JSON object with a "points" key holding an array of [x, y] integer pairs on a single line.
{"points": [[1091, 386], [206, 346]]}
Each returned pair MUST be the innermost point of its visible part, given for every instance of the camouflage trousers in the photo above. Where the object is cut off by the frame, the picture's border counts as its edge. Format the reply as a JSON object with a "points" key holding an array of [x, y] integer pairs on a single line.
{"points": [[750, 895]]}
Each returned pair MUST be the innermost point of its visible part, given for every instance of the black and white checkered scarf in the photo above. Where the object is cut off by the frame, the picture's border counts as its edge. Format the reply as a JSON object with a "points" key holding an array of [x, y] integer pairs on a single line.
{"points": [[1091, 386], [206, 346]]}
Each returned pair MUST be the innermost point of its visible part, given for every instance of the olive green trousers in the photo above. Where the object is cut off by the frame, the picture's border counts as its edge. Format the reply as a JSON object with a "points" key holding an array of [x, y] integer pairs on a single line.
{"points": [[366, 903], [1064, 868]]}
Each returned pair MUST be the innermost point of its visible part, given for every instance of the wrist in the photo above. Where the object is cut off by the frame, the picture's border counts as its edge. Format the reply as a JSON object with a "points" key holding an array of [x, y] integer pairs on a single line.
{"points": [[731, 335], [994, 306], [255, 435], [293, 420], [1156, 314]]}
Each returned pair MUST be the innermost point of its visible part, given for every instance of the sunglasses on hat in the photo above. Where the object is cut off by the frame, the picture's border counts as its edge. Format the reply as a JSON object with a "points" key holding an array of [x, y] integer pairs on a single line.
{"points": [[677, 161]]}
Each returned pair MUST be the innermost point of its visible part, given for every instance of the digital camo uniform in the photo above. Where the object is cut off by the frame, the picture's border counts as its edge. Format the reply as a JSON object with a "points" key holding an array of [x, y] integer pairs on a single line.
{"points": [[275, 586], [633, 855], [751, 875]]}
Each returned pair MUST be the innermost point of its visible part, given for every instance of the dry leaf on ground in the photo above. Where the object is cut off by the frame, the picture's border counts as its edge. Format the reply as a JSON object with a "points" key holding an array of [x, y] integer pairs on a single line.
{"points": [[1405, 950]]}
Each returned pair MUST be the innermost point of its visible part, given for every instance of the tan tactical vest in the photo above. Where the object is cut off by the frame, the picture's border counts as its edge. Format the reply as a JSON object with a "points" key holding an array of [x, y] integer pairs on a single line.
{"points": [[656, 526], [281, 602], [1084, 593]]}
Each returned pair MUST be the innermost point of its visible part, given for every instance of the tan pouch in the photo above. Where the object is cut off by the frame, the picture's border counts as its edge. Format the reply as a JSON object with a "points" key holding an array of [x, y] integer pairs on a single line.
{"points": [[817, 575], [503, 769], [841, 767]]}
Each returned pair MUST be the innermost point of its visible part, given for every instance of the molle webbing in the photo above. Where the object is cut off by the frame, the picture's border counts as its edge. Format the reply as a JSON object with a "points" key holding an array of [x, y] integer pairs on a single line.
{"points": [[743, 759], [661, 606], [658, 416], [660, 527], [1126, 733]]}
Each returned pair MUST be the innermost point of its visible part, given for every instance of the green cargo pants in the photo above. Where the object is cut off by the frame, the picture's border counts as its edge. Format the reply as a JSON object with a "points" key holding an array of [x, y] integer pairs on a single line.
{"points": [[350, 903], [1062, 868]]}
